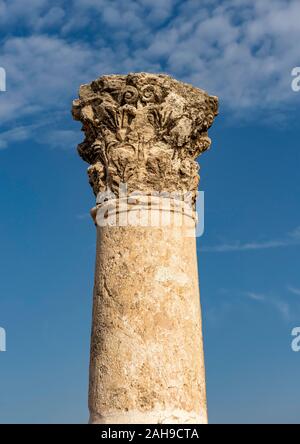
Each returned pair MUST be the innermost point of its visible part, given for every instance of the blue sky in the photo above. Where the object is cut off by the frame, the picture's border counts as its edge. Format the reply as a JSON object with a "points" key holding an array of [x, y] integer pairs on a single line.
{"points": [[244, 52]]}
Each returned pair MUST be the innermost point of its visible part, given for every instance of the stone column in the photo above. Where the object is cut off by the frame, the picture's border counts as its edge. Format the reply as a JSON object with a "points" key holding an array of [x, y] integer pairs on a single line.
{"points": [[144, 131]]}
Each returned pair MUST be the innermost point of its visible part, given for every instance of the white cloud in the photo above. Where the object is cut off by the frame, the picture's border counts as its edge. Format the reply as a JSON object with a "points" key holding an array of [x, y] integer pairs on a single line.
{"points": [[284, 309], [291, 239], [83, 216], [294, 290], [242, 50], [281, 306], [256, 296], [54, 17], [43, 74], [14, 12], [17, 134], [232, 300], [295, 234]]}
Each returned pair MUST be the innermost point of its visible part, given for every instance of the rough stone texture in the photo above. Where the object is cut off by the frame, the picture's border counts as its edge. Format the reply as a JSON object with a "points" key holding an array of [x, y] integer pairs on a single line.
{"points": [[147, 363], [144, 130], [147, 360]]}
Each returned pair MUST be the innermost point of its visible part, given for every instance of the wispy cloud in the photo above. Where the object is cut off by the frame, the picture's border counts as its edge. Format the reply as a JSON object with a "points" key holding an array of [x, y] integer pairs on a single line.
{"points": [[281, 306], [256, 296], [294, 290], [292, 238], [17, 134], [234, 300], [83, 216], [284, 309]]}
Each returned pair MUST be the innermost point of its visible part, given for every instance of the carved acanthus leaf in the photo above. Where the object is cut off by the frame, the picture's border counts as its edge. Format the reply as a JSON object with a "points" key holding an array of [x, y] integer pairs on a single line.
{"points": [[144, 130]]}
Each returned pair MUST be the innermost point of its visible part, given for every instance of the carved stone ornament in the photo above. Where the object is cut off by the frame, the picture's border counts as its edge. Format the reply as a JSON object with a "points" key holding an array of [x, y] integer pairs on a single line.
{"points": [[144, 130]]}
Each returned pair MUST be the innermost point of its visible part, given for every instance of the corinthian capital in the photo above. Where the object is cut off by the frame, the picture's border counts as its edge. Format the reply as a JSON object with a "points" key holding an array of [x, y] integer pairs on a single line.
{"points": [[144, 130]]}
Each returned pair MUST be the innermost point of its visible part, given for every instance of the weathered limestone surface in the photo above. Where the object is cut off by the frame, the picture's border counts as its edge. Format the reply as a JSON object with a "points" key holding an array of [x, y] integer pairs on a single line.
{"points": [[144, 130], [147, 363]]}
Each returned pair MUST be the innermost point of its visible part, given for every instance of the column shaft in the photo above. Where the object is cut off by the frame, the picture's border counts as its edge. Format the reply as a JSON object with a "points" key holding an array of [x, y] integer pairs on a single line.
{"points": [[147, 362]]}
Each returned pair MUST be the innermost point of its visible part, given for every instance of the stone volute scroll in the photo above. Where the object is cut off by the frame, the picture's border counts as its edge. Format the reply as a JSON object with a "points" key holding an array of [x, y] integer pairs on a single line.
{"points": [[146, 362], [144, 130]]}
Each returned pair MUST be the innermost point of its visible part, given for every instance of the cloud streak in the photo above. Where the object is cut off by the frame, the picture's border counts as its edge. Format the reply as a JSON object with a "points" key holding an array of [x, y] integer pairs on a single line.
{"points": [[233, 299], [294, 290], [282, 307], [291, 239]]}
